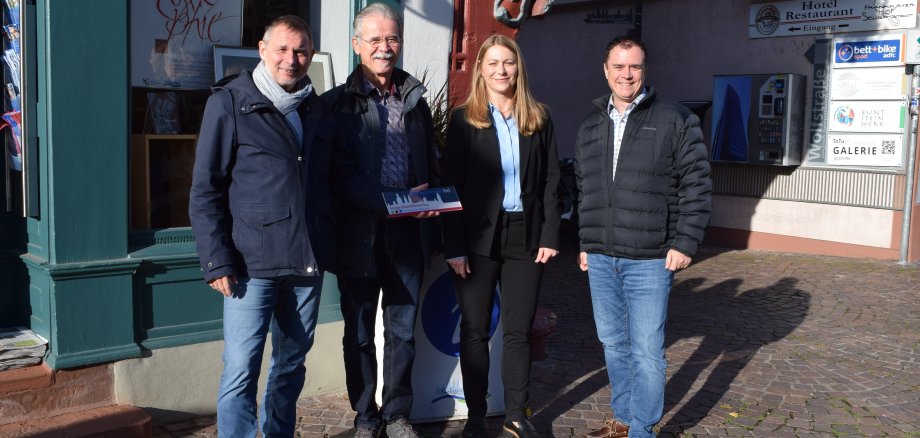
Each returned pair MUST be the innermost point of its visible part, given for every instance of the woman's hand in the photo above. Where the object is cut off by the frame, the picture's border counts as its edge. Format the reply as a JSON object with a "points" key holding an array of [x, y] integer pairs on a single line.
{"points": [[460, 266], [544, 254]]}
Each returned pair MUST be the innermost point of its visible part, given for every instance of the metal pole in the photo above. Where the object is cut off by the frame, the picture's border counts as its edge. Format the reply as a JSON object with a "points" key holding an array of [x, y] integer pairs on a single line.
{"points": [[911, 164]]}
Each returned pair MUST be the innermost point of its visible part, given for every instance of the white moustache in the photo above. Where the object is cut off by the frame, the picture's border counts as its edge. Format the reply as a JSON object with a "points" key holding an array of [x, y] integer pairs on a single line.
{"points": [[387, 55]]}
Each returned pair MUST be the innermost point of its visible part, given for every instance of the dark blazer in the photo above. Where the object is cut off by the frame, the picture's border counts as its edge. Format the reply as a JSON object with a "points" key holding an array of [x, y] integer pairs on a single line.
{"points": [[472, 164], [359, 204], [260, 202]]}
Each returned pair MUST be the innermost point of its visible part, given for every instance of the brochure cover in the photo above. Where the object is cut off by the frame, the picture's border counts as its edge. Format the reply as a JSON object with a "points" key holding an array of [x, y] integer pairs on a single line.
{"points": [[404, 202]]}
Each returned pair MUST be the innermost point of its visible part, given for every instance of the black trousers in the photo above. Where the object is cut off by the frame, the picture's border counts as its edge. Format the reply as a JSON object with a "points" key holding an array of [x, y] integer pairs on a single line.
{"points": [[513, 267]]}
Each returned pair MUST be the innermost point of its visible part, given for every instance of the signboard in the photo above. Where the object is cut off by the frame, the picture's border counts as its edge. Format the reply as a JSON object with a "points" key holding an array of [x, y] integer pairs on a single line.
{"points": [[869, 51], [816, 144], [865, 150], [867, 116], [912, 47], [172, 41], [886, 83], [809, 17]]}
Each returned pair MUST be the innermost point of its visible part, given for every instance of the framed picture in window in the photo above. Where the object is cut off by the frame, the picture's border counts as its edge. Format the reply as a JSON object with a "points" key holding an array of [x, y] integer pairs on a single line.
{"points": [[230, 60], [321, 72]]}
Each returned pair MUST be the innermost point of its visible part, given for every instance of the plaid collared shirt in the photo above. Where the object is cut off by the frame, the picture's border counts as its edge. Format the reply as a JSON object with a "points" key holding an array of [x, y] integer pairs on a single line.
{"points": [[619, 125], [395, 159]]}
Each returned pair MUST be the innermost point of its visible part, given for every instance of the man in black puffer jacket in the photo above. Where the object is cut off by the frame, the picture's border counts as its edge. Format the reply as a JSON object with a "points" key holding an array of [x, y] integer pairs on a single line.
{"points": [[644, 203]]}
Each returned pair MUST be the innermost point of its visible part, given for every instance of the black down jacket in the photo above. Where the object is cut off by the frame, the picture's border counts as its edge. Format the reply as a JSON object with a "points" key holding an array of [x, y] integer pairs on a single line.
{"points": [[661, 196]]}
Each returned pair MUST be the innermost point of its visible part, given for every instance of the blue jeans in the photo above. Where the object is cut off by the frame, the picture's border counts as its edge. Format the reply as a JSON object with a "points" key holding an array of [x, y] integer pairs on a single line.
{"points": [[630, 301], [398, 258], [290, 306]]}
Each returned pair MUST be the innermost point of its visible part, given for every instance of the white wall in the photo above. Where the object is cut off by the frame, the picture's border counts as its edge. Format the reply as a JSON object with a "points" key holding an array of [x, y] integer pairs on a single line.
{"points": [[427, 26], [173, 383], [427, 31], [331, 23], [832, 223]]}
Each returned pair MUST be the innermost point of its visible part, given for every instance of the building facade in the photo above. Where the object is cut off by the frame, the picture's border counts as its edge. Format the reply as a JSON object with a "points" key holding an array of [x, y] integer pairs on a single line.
{"points": [[97, 260], [96, 253]]}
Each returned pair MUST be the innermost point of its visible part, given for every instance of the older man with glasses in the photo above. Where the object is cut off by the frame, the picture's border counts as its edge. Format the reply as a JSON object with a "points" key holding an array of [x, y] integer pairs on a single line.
{"points": [[389, 134]]}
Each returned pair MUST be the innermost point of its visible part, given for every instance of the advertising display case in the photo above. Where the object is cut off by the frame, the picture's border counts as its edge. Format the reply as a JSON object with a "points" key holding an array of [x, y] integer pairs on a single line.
{"points": [[758, 119]]}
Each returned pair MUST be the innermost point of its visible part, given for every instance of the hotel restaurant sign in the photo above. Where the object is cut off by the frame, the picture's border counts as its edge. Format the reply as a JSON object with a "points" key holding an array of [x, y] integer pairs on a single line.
{"points": [[808, 17]]}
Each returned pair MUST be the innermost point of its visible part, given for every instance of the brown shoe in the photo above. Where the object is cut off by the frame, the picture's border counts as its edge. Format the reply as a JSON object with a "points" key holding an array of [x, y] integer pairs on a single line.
{"points": [[612, 429]]}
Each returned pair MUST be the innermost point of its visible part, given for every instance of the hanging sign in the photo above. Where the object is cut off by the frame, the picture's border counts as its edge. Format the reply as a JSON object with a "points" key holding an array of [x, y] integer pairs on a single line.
{"points": [[865, 150], [172, 40], [886, 83], [809, 17], [867, 116]]}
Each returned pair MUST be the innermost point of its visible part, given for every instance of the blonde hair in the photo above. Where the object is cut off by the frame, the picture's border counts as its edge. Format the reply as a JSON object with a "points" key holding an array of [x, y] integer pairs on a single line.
{"points": [[528, 113]]}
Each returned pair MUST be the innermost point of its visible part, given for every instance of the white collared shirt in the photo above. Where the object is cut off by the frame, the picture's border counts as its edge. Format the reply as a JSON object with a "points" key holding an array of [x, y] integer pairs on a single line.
{"points": [[619, 125]]}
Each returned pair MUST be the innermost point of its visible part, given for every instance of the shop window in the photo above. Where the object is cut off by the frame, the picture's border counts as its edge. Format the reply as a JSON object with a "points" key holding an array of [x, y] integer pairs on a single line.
{"points": [[19, 158], [171, 74]]}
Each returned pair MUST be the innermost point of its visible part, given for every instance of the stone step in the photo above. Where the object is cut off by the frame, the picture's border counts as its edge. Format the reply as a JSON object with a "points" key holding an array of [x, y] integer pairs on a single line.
{"points": [[103, 422], [24, 379], [37, 392]]}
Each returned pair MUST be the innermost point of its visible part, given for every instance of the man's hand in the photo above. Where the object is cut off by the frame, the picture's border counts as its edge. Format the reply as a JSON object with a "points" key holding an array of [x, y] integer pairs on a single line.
{"points": [[460, 265], [222, 284], [544, 254], [423, 214], [676, 260], [583, 261]]}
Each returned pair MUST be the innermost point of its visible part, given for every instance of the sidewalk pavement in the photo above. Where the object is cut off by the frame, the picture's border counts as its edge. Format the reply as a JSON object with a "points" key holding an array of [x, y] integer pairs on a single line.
{"points": [[758, 343]]}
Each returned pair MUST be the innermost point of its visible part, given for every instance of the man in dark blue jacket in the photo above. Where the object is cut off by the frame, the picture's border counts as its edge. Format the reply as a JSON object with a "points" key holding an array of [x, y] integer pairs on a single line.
{"points": [[388, 134], [644, 202], [261, 211]]}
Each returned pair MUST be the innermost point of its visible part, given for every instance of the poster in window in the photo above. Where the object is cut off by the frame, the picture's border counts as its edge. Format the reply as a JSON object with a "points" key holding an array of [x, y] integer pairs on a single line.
{"points": [[172, 40]]}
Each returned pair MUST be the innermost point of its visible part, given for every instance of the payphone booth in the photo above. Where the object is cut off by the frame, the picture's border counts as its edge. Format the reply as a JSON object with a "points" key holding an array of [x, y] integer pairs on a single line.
{"points": [[758, 119]]}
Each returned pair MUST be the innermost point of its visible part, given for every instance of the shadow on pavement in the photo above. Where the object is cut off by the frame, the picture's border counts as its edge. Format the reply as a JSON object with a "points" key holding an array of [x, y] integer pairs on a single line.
{"points": [[733, 324]]}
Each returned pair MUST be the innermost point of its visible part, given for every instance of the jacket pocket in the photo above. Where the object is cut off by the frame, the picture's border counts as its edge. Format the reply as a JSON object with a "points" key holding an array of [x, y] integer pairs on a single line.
{"points": [[263, 234]]}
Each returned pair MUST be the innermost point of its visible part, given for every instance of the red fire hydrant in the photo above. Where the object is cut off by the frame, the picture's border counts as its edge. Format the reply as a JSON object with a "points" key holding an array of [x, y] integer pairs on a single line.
{"points": [[544, 322]]}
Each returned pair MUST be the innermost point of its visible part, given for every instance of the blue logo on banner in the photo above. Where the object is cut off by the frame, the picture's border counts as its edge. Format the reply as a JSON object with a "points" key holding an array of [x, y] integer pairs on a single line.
{"points": [[856, 52], [441, 316]]}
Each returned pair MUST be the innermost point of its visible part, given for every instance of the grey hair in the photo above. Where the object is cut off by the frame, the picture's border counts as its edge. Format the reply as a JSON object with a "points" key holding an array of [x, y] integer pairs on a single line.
{"points": [[292, 22], [376, 9]]}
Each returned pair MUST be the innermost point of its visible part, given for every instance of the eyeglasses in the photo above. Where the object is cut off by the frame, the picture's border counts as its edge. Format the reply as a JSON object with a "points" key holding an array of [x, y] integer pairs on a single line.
{"points": [[378, 41]]}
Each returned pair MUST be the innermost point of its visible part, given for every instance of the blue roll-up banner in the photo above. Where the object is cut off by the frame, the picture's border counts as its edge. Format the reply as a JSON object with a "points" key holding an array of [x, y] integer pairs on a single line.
{"points": [[436, 378]]}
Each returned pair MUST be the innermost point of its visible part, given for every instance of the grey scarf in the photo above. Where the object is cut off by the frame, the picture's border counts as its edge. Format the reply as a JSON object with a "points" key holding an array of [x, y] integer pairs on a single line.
{"points": [[284, 101]]}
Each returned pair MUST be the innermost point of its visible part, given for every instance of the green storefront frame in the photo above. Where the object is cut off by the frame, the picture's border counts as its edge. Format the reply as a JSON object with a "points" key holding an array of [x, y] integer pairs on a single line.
{"points": [[96, 290]]}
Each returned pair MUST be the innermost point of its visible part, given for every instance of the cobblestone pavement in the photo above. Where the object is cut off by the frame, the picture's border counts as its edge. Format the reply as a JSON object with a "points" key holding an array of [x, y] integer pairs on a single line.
{"points": [[758, 343]]}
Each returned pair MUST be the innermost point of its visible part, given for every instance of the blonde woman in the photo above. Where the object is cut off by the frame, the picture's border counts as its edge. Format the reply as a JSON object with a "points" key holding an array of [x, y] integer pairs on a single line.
{"points": [[501, 157]]}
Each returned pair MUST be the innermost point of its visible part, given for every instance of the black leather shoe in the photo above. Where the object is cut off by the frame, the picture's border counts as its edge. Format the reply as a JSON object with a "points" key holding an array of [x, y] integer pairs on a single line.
{"points": [[474, 428], [520, 429]]}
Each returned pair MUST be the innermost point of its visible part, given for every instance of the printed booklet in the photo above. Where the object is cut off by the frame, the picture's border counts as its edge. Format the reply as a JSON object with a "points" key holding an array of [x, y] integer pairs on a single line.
{"points": [[404, 202]]}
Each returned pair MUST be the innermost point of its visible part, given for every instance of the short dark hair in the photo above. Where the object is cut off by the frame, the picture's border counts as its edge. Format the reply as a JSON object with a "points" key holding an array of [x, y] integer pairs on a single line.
{"points": [[627, 43], [292, 22]]}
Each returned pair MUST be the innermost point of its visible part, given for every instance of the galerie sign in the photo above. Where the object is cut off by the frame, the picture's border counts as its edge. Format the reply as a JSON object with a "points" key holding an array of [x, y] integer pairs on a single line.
{"points": [[865, 150]]}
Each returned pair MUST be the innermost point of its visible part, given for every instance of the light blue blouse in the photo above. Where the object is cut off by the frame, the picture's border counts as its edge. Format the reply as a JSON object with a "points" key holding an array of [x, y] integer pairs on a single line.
{"points": [[509, 146]]}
